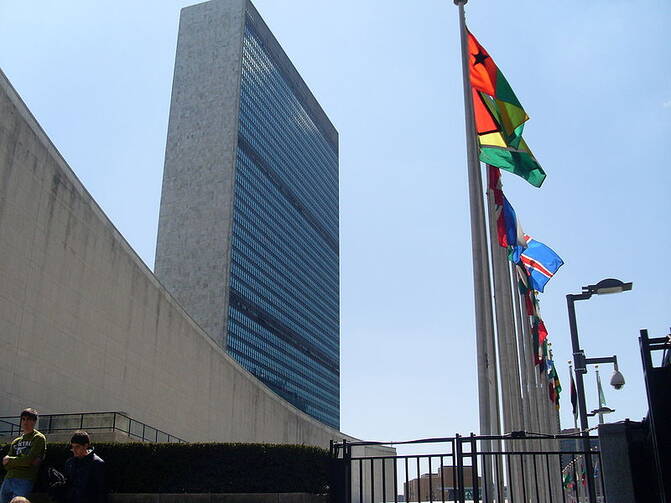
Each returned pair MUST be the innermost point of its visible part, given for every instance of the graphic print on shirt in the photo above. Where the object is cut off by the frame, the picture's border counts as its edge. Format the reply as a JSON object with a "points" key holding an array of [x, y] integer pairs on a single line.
{"points": [[22, 447]]}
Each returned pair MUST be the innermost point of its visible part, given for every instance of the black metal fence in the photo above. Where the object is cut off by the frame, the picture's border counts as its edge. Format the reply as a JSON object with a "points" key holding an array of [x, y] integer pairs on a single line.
{"points": [[657, 382], [91, 422], [519, 467]]}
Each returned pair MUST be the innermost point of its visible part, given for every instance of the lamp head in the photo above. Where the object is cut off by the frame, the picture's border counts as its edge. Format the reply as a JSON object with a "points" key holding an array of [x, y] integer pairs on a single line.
{"points": [[601, 410], [617, 380], [606, 286]]}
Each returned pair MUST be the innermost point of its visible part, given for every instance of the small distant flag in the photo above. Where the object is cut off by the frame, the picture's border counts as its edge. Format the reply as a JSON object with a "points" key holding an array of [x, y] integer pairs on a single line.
{"points": [[508, 228], [567, 478], [574, 397], [530, 303], [526, 292], [541, 262], [554, 385], [543, 356], [540, 337], [602, 397]]}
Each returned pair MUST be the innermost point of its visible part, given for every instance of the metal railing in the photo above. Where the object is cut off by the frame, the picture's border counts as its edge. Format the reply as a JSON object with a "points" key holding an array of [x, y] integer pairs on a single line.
{"points": [[528, 467], [518, 467], [91, 422], [380, 478]]}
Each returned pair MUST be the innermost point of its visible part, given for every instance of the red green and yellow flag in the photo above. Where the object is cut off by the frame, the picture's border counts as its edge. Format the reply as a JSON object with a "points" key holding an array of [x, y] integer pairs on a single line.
{"points": [[499, 118]]}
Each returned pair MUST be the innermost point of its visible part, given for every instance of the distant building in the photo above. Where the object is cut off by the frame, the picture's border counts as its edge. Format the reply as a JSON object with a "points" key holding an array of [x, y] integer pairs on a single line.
{"points": [[248, 230], [440, 486]]}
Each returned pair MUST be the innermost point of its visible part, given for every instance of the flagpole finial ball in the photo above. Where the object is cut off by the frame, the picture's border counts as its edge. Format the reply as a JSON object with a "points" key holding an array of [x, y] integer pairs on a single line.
{"points": [[460, 2]]}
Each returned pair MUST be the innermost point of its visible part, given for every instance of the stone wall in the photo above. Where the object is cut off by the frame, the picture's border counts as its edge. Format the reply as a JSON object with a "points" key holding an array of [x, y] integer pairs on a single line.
{"points": [[86, 326]]}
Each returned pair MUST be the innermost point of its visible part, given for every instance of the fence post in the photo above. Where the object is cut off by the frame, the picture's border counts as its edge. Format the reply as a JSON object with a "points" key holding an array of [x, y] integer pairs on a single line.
{"points": [[347, 458], [461, 493], [340, 476], [474, 470], [335, 482]]}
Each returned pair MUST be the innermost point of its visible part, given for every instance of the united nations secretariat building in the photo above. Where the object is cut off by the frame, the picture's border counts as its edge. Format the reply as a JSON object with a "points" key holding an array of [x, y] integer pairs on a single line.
{"points": [[239, 322]]}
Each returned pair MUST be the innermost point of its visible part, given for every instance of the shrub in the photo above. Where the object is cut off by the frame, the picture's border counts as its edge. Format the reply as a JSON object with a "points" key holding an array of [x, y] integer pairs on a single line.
{"points": [[206, 467]]}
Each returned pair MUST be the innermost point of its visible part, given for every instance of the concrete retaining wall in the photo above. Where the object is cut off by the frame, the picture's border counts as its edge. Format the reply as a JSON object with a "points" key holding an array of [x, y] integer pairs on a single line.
{"points": [[85, 325]]}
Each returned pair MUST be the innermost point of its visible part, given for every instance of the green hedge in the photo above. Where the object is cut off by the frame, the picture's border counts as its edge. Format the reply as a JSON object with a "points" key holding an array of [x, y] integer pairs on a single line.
{"points": [[206, 468]]}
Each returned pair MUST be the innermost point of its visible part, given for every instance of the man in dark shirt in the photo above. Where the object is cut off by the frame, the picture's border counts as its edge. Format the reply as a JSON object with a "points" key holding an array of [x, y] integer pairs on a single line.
{"points": [[85, 472]]}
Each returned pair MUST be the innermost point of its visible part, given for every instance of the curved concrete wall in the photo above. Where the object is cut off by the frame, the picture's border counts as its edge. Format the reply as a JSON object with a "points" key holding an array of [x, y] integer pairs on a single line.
{"points": [[85, 325]]}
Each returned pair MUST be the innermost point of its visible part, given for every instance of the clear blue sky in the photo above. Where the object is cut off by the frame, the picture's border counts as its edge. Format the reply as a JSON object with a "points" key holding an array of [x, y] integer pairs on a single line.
{"points": [[593, 76]]}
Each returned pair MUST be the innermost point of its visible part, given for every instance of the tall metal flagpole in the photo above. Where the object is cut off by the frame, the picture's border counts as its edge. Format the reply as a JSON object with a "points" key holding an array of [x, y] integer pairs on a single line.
{"points": [[520, 319], [484, 323], [514, 354], [527, 408], [505, 323], [511, 399], [577, 461]]}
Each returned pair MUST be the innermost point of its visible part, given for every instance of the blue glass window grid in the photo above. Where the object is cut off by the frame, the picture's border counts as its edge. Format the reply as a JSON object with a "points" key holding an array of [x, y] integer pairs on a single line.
{"points": [[263, 338], [247, 341], [249, 182], [281, 295], [312, 170], [245, 284], [253, 75], [271, 242], [262, 373], [252, 231]]}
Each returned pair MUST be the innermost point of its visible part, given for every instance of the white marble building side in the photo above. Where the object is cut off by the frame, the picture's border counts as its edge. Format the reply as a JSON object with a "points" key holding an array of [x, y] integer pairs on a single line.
{"points": [[193, 247]]}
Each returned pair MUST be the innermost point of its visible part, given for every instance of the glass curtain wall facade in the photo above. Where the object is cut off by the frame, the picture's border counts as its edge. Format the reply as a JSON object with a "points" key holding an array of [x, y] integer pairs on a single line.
{"points": [[283, 314]]}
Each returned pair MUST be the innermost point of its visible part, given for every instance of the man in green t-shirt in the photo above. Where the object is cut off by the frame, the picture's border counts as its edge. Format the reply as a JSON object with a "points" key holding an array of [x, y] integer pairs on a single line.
{"points": [[23, 460]]}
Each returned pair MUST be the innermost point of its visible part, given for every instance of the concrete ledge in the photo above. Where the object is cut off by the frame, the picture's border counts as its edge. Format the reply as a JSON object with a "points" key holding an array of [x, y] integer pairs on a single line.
{"points": [[206, 498]]}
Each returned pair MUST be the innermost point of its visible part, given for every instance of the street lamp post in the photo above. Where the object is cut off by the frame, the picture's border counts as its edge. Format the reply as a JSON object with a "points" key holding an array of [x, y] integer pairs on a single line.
{"points": [[605, 286]]}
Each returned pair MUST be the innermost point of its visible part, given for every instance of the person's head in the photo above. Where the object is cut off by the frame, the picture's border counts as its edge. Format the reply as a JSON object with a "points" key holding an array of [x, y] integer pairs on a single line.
{"points": [[19, 499], [80, 443], [28, 419]]}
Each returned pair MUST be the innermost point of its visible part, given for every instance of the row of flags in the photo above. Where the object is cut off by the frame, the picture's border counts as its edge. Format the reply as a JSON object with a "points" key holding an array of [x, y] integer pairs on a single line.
{"points": [[499, 123], [574, 470], [574, 473]]}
